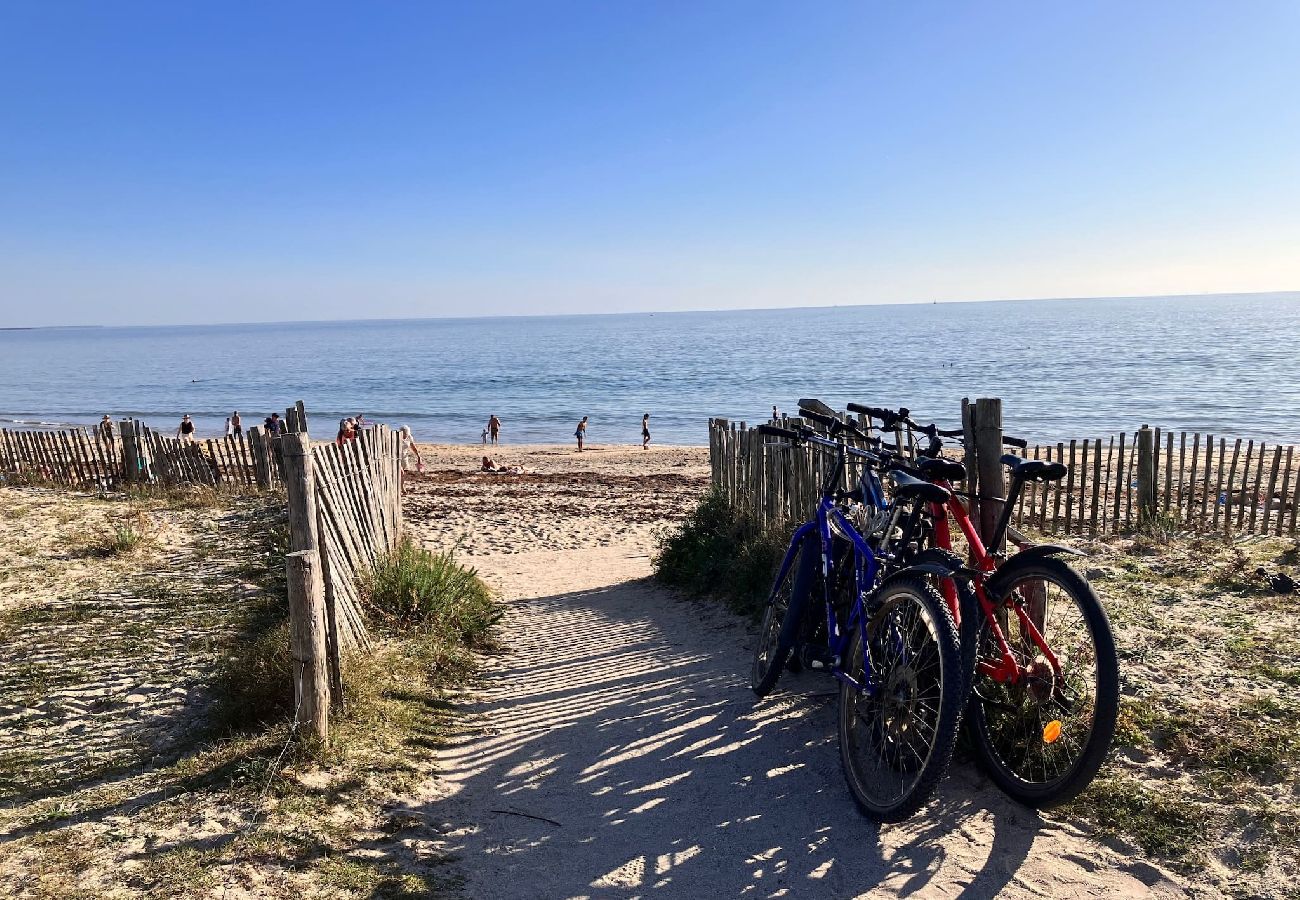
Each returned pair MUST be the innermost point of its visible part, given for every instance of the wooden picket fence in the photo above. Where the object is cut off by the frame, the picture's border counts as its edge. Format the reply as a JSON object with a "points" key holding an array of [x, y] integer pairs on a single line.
{"points": [[345, 513], [87, 459], [1196, 482]]}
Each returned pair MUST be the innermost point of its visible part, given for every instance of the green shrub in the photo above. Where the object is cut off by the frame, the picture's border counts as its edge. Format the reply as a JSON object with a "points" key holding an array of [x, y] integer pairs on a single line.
{"points": [[124, 539], [415, 587], [719, 551]]}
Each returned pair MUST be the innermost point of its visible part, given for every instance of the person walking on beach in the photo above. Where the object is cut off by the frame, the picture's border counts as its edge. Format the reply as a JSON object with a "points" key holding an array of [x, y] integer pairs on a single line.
{"points": [[645, 432], [185, 431], [236, 424], [105, 428], [494, 427], [230, 428], [581, 432]]}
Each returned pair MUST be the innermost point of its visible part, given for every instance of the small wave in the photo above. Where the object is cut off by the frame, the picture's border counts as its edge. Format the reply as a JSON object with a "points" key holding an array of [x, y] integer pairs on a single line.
{"points": [[40, 423]]}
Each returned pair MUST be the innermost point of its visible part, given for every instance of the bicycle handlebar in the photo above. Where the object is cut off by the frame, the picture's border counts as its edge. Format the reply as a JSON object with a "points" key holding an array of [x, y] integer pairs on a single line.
{"points": [[774, 431], [833, 422]]}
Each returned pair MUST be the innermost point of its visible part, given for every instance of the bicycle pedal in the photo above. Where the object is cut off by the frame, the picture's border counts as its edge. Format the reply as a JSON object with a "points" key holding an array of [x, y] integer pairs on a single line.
{"points": [[818, 656]]}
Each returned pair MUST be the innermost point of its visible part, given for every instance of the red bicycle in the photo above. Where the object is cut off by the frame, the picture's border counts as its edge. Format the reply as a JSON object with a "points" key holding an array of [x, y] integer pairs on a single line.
{"points": [[1036, 642]]}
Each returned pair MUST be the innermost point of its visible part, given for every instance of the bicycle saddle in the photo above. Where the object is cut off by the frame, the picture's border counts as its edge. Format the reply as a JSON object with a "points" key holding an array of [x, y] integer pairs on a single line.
{"points": [[907, 486], [1034, 469], [945, 469]]}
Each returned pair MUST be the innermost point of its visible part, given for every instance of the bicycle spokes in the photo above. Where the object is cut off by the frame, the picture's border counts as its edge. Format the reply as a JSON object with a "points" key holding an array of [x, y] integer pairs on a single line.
{"points": [[1039, 722]]}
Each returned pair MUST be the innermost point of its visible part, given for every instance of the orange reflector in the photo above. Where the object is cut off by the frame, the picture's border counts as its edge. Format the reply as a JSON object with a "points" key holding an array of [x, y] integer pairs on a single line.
{"points": [[1052, 731]]}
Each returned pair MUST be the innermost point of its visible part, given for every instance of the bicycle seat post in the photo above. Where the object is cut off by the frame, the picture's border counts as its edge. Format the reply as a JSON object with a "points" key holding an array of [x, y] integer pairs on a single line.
{"points": [[1008, 506]]}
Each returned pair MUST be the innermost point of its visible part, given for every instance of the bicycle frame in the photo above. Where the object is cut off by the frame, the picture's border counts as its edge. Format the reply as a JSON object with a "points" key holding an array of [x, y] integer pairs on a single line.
{"points": [[1007, 669], [866, 568]]}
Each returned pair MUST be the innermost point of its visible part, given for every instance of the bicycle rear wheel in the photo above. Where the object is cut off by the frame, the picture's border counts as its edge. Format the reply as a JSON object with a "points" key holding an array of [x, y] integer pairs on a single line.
{"points": [[898, 731], [1043, 740], [779, 630]]}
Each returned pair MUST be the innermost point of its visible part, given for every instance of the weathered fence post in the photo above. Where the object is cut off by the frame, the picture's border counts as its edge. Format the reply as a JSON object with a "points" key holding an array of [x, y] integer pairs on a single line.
{"points": [[988, 456], [1146, 474], [261, 460], [130, 470], [306, 589]]}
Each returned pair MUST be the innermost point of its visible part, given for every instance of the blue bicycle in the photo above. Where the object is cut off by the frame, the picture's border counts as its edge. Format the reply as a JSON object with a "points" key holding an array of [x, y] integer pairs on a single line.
{"points": [[883, 631]]}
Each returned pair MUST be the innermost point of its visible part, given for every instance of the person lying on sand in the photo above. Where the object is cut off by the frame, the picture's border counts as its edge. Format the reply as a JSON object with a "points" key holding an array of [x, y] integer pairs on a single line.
{"points": [[490, 465]]}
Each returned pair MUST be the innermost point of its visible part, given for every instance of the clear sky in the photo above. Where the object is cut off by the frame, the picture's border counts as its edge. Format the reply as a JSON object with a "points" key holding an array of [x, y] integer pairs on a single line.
{"points": [[185, 162]]}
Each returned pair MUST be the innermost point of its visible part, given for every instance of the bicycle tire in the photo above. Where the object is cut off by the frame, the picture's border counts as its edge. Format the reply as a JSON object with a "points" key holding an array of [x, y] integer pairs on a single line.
{"points": [[1007, 749], [781, 619], [897, 711]]}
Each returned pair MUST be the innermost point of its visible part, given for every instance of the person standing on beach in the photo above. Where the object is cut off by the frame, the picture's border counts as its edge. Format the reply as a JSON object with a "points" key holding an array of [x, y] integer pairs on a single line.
{"points": [[581, 432], [645, 432], [230, 428], [274, 424], [236, 423], [185, 431], [409, 451], [494, 427], [105, 428]]}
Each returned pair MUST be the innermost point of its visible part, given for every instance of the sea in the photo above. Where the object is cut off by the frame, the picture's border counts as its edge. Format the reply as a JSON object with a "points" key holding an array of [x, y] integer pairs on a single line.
{"points": [[1223, 364]]}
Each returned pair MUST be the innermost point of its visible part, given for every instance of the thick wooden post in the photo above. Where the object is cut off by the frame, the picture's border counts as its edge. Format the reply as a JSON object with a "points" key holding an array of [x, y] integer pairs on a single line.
{"points": [[307, 643], [1146, 474], [988, 454], [126, 428], [261, 460], [307, 620]]}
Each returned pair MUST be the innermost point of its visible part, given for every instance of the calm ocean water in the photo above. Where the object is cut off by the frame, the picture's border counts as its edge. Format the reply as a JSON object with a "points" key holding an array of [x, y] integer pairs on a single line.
{"points": [[1065, 369]]}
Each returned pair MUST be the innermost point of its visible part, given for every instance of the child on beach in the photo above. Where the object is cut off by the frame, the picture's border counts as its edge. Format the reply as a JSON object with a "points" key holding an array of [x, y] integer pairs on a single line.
{"points": [[581, 432], [645, 432]]}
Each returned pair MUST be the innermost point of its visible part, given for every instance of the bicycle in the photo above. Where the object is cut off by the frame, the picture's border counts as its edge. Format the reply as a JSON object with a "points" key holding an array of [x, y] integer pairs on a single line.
{"points": [[1038, 647], [890, 641]]}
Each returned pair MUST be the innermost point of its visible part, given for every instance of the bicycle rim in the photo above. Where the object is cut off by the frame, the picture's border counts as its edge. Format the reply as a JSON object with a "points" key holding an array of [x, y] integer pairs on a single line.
{"points": [[1044, 738], [897, 739]]}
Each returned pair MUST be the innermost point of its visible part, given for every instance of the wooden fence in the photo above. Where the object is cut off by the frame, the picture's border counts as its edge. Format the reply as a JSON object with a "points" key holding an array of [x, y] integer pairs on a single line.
{"points": [[1196, 482], [345, 512], [1188, 481], [87, 459]]}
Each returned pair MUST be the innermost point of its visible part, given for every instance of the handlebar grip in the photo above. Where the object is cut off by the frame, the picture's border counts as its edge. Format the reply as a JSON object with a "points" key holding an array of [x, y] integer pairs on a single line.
{"points": [[1010, 441], [888, 416], [774, 431]]}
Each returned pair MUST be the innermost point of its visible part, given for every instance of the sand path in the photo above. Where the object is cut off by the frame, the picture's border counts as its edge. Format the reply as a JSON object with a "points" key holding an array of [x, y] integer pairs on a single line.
{"points": [[615, 750], [623, 714]]}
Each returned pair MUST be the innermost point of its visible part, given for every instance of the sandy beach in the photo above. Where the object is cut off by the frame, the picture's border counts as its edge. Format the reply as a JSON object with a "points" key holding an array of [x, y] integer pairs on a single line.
{"points": [[606, 496]]}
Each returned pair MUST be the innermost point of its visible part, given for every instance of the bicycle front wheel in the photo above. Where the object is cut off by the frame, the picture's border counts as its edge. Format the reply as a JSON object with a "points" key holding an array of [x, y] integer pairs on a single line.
{"points": [[779, 630], [1043, 739], [899, 724]]}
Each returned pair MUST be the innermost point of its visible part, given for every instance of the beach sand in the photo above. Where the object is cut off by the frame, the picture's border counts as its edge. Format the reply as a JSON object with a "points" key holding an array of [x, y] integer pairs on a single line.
{"points": [[565, 500], [614, 747]]}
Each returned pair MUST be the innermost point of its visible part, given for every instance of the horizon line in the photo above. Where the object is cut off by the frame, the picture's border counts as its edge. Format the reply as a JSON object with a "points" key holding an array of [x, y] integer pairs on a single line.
{"points": [[655, 312]]}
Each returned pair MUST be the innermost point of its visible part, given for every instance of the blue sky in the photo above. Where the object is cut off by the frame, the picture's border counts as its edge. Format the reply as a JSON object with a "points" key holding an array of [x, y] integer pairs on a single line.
{"points": [[176, 162]]}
